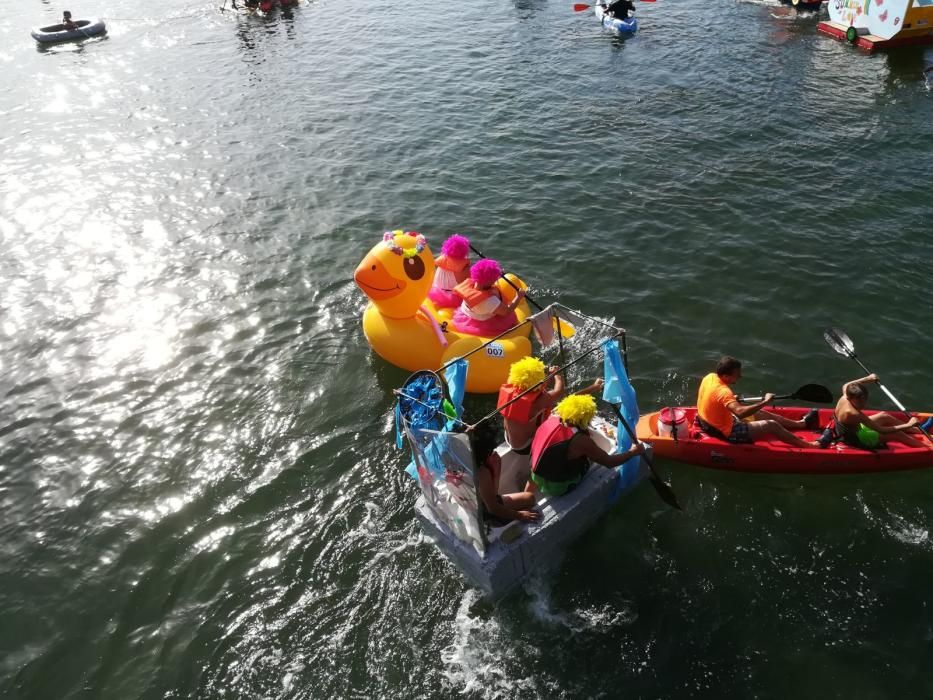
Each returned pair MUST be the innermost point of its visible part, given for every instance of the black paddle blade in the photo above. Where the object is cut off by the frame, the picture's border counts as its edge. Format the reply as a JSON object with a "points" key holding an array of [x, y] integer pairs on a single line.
{"points": [[814, 393], [839, 341], [664, 491]]}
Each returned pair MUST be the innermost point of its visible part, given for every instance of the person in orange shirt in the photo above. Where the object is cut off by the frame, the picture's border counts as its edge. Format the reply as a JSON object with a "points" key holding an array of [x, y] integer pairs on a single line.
{"points": [[721, 415]]}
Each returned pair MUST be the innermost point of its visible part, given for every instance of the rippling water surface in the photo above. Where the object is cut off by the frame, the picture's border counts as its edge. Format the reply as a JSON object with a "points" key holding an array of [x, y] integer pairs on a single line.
{"points": [[198, 492]]}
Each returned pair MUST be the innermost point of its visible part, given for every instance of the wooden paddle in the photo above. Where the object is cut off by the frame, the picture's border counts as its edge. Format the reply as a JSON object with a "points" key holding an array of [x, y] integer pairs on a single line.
{"points": [[843, 344], [664, 490]]}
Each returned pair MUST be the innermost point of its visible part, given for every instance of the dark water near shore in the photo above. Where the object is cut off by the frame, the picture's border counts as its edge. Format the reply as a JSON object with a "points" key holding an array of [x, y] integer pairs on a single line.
{"points": [[198, 492]]}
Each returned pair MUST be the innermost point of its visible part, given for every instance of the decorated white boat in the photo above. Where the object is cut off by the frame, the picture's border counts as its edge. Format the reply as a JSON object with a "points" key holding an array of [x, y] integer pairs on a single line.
{"points": [[880, 24], [494, 557]]}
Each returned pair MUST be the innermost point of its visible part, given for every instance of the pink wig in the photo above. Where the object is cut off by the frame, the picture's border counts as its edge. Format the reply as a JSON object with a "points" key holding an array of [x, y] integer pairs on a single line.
{"points": [[485, 272], [456, 247]]}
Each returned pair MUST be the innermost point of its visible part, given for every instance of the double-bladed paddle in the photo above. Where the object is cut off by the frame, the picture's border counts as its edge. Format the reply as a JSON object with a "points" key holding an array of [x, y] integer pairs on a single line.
{"points": [[664, 490], [841, 343], [814, 393]]}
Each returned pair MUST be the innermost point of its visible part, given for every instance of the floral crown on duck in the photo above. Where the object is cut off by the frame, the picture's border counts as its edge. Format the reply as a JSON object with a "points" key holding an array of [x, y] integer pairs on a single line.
{"points": [[389, 239]]}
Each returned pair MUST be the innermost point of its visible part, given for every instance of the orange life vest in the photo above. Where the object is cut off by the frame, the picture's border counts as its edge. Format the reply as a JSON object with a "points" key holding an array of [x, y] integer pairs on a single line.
{"points": [[520, 410], [473, 296], [451, 264]]}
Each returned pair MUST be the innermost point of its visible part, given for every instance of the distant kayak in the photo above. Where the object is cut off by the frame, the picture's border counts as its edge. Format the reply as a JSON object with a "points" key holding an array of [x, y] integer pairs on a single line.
{"points": [[620, 26], [85, 29], [772, 456]]}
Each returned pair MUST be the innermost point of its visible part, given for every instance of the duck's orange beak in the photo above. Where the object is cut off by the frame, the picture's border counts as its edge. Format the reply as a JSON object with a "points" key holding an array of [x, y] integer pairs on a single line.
{"points": [[376, 281]]}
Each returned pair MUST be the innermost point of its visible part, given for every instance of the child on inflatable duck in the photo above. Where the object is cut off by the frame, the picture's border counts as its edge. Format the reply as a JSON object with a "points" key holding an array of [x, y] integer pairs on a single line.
{"points": [[483, 311], [453, 267]]}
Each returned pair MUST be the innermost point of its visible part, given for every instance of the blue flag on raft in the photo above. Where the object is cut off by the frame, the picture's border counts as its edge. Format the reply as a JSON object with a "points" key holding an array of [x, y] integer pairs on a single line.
{"points": [[456, 375], [618, 390]]}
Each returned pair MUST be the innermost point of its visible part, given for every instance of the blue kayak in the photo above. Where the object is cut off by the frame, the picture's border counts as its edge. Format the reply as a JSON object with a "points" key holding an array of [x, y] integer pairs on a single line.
{"points": [[619, 26]]}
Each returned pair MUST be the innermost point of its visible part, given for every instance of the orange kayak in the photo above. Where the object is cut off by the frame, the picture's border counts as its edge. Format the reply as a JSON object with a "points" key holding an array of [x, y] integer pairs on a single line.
{"points": [[772, 456]]}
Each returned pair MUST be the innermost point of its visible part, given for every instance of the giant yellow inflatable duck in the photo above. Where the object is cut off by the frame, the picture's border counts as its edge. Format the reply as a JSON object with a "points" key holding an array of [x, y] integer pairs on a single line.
{"points": [[403, 326]]}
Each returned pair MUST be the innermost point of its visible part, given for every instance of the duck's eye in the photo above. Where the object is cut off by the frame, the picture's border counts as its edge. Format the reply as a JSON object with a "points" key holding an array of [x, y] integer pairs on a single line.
{"points": [[414, 268]]}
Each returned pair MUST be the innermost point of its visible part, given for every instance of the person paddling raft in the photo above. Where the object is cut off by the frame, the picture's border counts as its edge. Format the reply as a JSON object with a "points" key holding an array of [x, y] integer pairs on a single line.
{"points": [[720, 414], [523, 412], [67, 22], [856, 429], [562, 448]]}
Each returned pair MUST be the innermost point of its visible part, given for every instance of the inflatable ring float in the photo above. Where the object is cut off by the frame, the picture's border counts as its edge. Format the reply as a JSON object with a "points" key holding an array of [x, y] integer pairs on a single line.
{"points": [[84, 29]]}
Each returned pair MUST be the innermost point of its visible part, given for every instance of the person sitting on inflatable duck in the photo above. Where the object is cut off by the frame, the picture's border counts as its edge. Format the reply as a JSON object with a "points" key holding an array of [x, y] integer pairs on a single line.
{"points": [[453, 268], [562, 448], [483, 311]]}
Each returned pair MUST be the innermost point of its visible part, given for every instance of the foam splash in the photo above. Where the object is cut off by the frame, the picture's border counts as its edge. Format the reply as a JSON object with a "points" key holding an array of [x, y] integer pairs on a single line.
{"points": [[595, 618], [478, 661]]}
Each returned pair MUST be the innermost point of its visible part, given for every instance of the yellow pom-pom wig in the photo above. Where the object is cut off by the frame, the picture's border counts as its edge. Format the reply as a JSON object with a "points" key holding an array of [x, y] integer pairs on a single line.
{"points": [[577, 410], [526, 372]]}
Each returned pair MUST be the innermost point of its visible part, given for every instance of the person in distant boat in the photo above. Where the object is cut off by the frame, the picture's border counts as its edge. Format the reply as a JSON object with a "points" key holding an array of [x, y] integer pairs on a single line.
{"points": [[483, 310], [620, 9], [856, 429], [522, 417], [453, 268], [67, 22], [499, 509], [721, 415], [562, 448]]}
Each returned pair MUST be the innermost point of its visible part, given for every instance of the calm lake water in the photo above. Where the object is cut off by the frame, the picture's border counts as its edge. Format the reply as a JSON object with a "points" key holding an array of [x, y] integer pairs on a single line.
{"points": [[199, 495]]}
